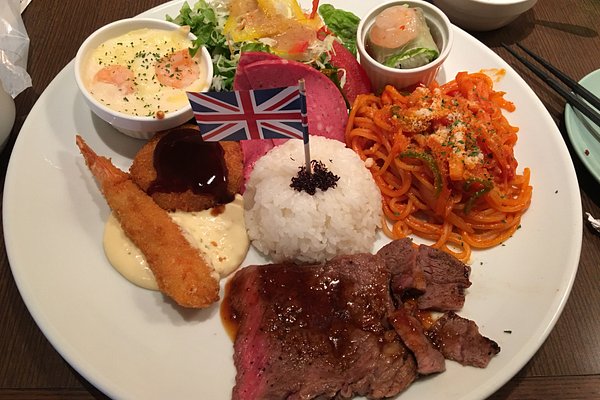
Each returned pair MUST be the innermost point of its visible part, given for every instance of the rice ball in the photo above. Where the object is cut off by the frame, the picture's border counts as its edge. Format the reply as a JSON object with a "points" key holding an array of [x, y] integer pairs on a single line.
{"points": [[289, 225]]}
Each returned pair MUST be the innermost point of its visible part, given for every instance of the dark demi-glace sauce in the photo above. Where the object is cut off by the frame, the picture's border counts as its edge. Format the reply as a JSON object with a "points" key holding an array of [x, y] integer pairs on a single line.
{"points": [[183, 161], [300, 300], [228, 319], [314, 298]]}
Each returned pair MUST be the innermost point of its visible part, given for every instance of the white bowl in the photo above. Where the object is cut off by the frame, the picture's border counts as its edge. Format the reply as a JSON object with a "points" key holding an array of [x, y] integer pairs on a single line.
{"points": [[483, 15], [141, 127], [381, 75]]}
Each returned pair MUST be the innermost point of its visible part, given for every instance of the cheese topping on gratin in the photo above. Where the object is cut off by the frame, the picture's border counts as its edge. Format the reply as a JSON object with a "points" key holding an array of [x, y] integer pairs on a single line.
{"points": [[145, 72]]}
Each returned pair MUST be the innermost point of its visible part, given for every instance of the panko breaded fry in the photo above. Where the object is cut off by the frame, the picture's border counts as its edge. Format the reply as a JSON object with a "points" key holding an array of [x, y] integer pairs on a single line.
{"points": [[179, 269], [143, 173]]}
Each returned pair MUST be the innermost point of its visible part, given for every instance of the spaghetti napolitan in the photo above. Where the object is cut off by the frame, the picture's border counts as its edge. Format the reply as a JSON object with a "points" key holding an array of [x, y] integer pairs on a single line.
{"points": [[443, 159]]}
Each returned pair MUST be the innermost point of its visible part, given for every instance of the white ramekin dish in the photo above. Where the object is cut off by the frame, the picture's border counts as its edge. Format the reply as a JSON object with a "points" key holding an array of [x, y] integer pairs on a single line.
{"points": [[140, 127], [381, 75], [483, 15]]}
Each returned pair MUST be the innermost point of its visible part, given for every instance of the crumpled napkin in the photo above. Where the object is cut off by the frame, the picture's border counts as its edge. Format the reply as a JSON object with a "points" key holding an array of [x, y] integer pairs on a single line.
{"points": [[14, 48], [24, 4], [594, 222]]}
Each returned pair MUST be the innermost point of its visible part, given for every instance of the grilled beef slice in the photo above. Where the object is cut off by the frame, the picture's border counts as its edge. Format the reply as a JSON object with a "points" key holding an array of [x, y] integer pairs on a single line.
{"points": [[408, 277], [409, 328], [446, 277], [317, 331], [435, 278], [459, 339]]}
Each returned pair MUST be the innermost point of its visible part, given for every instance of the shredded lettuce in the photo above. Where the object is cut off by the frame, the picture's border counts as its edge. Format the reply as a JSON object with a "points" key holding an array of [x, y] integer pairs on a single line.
{"points": [[343, 24]]}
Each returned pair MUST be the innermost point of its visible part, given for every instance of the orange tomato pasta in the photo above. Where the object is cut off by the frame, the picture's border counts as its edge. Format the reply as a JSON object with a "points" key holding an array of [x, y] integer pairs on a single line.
{"points": [[443, 159]]}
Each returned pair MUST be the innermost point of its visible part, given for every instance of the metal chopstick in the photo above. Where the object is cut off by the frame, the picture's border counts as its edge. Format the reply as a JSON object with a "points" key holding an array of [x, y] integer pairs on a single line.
{"points": [[576, 87], [574, 100]]}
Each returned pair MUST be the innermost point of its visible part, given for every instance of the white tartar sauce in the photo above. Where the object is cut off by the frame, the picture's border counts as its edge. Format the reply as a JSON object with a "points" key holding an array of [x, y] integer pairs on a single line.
{"points": [[219, 234]]}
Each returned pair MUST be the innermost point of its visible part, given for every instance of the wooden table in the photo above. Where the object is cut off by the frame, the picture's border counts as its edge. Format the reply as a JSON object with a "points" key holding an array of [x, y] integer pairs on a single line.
{"points": [[567, 366]]}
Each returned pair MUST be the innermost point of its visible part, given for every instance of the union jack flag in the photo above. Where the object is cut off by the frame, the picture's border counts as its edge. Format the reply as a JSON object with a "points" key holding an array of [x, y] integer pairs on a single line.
{"points": [[248, 114]]}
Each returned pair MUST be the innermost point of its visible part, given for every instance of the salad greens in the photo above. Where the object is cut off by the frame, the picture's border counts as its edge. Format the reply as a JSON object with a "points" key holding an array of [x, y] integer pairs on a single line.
{"points": [[206, 21], [343, 24]]}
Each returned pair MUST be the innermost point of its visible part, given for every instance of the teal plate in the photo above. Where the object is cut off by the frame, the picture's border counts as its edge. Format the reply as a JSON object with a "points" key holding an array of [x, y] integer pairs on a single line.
{"points": [[583, 133]]}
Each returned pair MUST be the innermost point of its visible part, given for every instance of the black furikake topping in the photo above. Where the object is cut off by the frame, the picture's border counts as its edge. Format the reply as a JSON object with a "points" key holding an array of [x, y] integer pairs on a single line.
{"points": [[320, 178]]}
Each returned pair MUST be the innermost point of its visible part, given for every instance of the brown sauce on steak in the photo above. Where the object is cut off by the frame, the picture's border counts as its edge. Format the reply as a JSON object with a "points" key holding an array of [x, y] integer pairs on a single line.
{"points": [[228, 318], [334, 331], [312, 331]]}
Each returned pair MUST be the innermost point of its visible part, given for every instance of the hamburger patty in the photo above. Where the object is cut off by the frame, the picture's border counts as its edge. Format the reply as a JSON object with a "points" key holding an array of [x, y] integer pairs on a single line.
{"points": [[181, 172]]}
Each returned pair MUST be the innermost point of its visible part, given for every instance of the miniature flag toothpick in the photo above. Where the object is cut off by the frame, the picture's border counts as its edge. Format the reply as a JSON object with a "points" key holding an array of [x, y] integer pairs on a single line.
{"points": [[302, 90], [249, 114]]}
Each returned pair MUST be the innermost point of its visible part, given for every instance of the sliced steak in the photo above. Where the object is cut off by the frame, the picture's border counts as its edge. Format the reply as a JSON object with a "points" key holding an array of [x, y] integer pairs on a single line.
{"points": [[429, 359], [459, 339], [407, 275], [446, 277], [317, 331]]}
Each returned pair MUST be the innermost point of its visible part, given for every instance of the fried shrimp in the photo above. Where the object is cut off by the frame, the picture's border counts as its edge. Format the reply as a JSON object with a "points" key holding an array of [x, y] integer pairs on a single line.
{"points": [[180, 270]]}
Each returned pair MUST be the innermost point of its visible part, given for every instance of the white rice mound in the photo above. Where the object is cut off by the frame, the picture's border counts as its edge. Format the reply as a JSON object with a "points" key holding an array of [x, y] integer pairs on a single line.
{"points": [[289, 225]]}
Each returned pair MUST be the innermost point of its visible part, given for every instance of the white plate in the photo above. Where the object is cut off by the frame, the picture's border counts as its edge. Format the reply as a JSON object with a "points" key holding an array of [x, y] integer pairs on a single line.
{"points": [[132, 344]]}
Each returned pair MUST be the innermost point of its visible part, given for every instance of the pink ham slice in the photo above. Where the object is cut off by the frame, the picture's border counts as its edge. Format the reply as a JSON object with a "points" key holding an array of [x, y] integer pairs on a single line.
{"points": [[326, 108]]}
